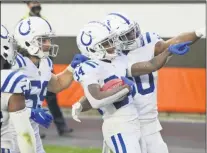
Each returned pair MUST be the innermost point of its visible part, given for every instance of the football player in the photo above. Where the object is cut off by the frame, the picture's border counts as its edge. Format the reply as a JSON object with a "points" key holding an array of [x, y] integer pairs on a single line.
{"points": [[34, 37], [14, 86], [140, 47], [120, 128]]}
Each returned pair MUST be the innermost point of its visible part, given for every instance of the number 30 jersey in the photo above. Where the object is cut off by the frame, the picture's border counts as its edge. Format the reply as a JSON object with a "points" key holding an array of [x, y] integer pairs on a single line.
{"points": [[146, 85], [11, 82], [39, 78], [100, 72]]}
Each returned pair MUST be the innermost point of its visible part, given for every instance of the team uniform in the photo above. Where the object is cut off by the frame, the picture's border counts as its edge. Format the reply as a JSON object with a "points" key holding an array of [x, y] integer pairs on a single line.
{"points": [[11, 82], [39, 77], [146, 94], [120, 128]]}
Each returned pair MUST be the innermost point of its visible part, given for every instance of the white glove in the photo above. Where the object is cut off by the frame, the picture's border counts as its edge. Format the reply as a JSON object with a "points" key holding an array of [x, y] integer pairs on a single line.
{"points": [[200, 32], [76, 110]]}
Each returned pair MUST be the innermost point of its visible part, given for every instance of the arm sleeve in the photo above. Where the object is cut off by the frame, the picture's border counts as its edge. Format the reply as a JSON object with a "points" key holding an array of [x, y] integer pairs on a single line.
{"points": [[15, 82], [154, 37], [25, 133]]}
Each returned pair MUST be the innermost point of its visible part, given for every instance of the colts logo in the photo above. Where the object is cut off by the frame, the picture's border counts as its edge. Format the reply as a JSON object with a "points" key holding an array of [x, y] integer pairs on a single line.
{"points": [[6, 36], [28, 30], [108, 23], [89, 37]]}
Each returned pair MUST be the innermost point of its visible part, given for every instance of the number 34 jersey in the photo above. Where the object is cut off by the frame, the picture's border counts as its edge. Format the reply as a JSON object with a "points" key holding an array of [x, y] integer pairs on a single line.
{"points": [[100, 72], [146, 85], [39, 78]]}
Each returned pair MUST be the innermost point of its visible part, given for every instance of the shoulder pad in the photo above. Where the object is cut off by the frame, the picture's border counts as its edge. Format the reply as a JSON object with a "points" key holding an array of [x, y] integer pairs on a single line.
{"points": [[47, 62], [86, 68], [151, 37], [20, 62], [14, 82]]}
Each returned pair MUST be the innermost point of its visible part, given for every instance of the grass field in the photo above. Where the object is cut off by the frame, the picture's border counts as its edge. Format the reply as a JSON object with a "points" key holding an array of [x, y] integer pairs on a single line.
{"points": [[58, 149]]}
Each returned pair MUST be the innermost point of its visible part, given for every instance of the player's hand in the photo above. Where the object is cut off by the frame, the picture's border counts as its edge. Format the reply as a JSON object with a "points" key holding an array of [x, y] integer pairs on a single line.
{"points": [[77, 59], [76, 110], [130, 83], [180, 49], [40, 116]]}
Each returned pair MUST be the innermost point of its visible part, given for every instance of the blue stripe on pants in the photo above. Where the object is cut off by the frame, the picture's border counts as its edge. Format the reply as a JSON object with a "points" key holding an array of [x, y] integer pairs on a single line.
{"points": [[115, 144], [123, 146]]}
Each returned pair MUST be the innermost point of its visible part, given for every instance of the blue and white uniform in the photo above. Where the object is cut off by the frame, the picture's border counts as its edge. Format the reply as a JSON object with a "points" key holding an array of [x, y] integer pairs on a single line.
{"points": [[39, 77], [11, 82], [121, 128], [146, 95]]}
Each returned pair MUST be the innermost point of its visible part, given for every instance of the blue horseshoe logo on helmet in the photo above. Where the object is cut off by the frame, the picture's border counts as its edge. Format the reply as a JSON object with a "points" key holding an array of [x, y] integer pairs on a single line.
{"points": [[84, 43], [108, 23], [4, 37], [28, 31]]}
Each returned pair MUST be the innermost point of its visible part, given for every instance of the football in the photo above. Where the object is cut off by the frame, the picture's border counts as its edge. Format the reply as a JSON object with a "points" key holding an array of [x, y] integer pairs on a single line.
{"points": [[112, 84]]}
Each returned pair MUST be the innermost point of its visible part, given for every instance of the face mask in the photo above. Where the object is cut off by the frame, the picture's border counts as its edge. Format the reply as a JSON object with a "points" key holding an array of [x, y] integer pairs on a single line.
{"points": [[36, 10]]}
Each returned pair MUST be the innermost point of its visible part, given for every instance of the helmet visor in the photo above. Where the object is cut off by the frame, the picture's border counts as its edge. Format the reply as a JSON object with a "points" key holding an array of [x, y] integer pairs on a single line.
{"points": [[47, 45]]}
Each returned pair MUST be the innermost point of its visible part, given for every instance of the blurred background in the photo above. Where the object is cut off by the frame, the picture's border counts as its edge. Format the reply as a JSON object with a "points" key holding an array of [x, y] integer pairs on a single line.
{"points": [[181, 83]]}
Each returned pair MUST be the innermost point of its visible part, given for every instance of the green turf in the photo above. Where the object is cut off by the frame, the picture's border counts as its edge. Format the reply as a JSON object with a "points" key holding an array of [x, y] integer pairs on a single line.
{"points": [[58, 149]]}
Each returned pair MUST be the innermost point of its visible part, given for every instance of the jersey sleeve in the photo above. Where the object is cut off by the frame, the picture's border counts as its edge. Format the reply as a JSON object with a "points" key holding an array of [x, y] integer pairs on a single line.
{"points": [[151, 38], [15, 82], [87, 73]]}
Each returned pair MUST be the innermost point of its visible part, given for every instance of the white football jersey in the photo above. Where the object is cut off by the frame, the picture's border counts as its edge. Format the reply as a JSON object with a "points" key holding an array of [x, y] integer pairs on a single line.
{"points": [[100, 72], [39, 78], [146, 85], [11, 82]]}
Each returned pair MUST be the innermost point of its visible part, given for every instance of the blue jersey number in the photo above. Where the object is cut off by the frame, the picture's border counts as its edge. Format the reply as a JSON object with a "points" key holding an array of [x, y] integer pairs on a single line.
{"points": [[140, 88], [40, 86], [80, 71]]}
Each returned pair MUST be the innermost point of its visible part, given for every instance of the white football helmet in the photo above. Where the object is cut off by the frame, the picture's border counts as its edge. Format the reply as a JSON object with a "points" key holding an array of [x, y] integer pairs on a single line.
{"points": [[129, 31], [8, 46], [97, 41], [35, 34]]}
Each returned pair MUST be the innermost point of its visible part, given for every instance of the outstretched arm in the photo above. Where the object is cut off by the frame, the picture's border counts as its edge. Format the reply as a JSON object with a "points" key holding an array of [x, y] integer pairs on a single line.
{"points": [[63, 80], [60, 81], [157, 62], [183, 37], [147, 67]]}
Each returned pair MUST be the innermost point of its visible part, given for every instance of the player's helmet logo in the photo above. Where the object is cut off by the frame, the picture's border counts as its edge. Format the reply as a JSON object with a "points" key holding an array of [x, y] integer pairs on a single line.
{"points": [[85, 36], [26, 31], [7, 32]]}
